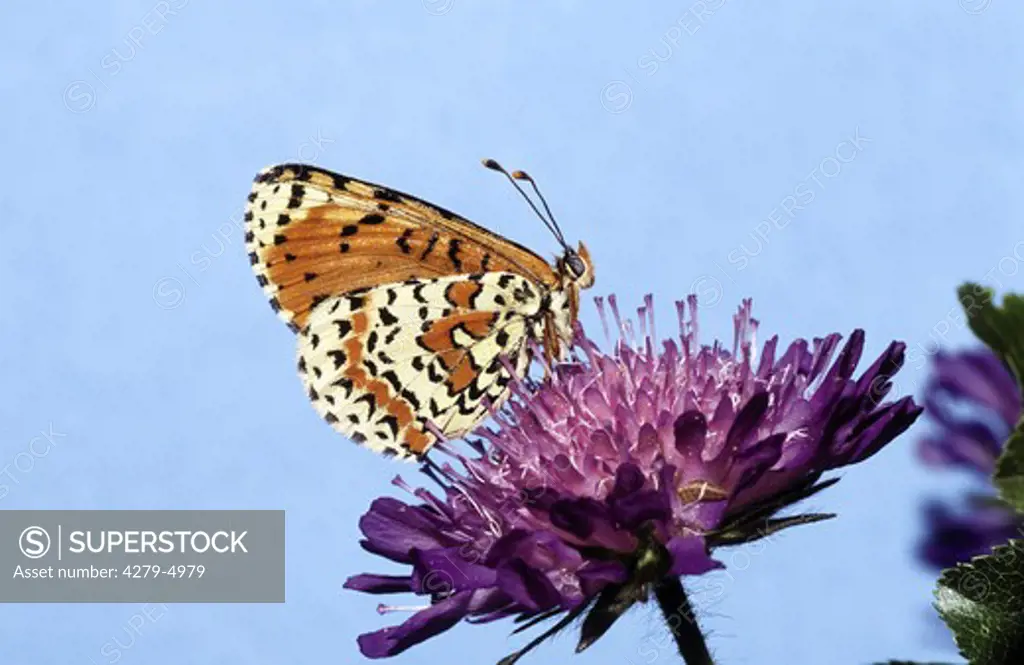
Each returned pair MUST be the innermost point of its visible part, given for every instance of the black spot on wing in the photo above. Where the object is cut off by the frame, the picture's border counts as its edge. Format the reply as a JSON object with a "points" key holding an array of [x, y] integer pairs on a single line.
{"points": [[339, 358], [392, 378], [403, 241], [371, 402], [391, 422], [430, 246], [453, 253], [410, 397], [344, 384], [464, 409]]}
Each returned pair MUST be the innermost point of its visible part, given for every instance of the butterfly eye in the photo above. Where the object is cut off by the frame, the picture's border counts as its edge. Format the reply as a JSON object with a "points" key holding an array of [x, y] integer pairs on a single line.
{"points": [[576, 265]]}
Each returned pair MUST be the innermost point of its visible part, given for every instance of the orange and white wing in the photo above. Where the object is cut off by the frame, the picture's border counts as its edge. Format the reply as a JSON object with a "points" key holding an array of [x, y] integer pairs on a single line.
{"points": [[380, 363], [312, 234]]}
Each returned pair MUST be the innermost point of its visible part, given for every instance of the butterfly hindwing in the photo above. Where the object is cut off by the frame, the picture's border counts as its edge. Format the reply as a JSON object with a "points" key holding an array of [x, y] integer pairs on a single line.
{"points": [[312, 234], [382, 362]]}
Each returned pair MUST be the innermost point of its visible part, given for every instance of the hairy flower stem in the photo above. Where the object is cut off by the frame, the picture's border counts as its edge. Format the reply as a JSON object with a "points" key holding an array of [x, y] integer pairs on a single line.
{"points": [[682, 622]]}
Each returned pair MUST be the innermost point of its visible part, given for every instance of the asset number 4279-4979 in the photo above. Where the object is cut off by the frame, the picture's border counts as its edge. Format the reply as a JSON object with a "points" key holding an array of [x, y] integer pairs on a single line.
{"points": [[141, 571]]}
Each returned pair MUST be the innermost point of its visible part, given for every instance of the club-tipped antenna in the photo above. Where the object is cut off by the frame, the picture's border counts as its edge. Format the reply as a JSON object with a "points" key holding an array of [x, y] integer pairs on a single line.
{"points": [[552, 226], [523, 175]]}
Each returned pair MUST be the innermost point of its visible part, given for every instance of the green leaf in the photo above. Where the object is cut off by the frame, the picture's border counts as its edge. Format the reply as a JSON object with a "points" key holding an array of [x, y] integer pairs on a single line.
{"points": [[1002, 329], [982, 602], [1009, 476]]}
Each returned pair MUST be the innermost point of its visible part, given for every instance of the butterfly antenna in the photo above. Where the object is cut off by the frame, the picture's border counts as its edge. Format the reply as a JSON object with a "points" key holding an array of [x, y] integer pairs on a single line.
{"points": [[523, 175], [555, 231]]}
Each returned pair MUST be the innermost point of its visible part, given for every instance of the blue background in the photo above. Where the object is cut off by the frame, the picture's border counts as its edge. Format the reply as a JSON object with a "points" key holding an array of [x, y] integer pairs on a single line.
{"points": [[664, 136]]}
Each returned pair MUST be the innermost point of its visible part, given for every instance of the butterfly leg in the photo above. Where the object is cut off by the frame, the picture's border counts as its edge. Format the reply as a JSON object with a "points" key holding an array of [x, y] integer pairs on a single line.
{"points": [[552, 345]]}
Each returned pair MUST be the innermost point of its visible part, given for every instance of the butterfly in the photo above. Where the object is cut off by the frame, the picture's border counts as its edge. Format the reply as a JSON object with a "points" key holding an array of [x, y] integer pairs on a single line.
{"points": [[410, 319]]}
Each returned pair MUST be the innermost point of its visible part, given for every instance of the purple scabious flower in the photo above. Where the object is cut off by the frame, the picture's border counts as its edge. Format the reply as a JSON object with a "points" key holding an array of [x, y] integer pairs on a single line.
{"points": [[622, 471], [974, 402]]}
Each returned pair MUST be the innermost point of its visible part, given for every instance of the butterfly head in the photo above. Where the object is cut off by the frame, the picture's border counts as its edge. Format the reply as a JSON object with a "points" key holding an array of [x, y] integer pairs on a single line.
{"points": [[575, 267]]}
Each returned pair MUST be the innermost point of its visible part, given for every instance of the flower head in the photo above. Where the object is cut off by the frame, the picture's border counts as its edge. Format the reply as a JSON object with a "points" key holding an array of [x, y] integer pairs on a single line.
{"points": [[975, 403], [624, 469]]}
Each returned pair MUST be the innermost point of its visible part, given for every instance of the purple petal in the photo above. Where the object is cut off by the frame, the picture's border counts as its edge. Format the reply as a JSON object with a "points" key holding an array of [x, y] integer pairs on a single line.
{"points": [[691, 429], [747, 422], [393, 528], [507, 547], [420, 626], [689, 556], [635, 509], [596, 575], [955, 537], [628, 479], [368, 583], [441, 571], [979, 377], [969, 447], [526, 586], [576, 516], [594, 518]]}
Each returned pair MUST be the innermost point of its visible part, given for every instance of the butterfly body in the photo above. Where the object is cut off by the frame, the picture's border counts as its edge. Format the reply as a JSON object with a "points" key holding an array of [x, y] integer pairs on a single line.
{"points": [[402, 309]]}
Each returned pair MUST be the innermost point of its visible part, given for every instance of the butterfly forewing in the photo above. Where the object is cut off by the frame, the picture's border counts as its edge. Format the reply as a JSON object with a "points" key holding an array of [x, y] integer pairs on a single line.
{"points": [[311, 233]]}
